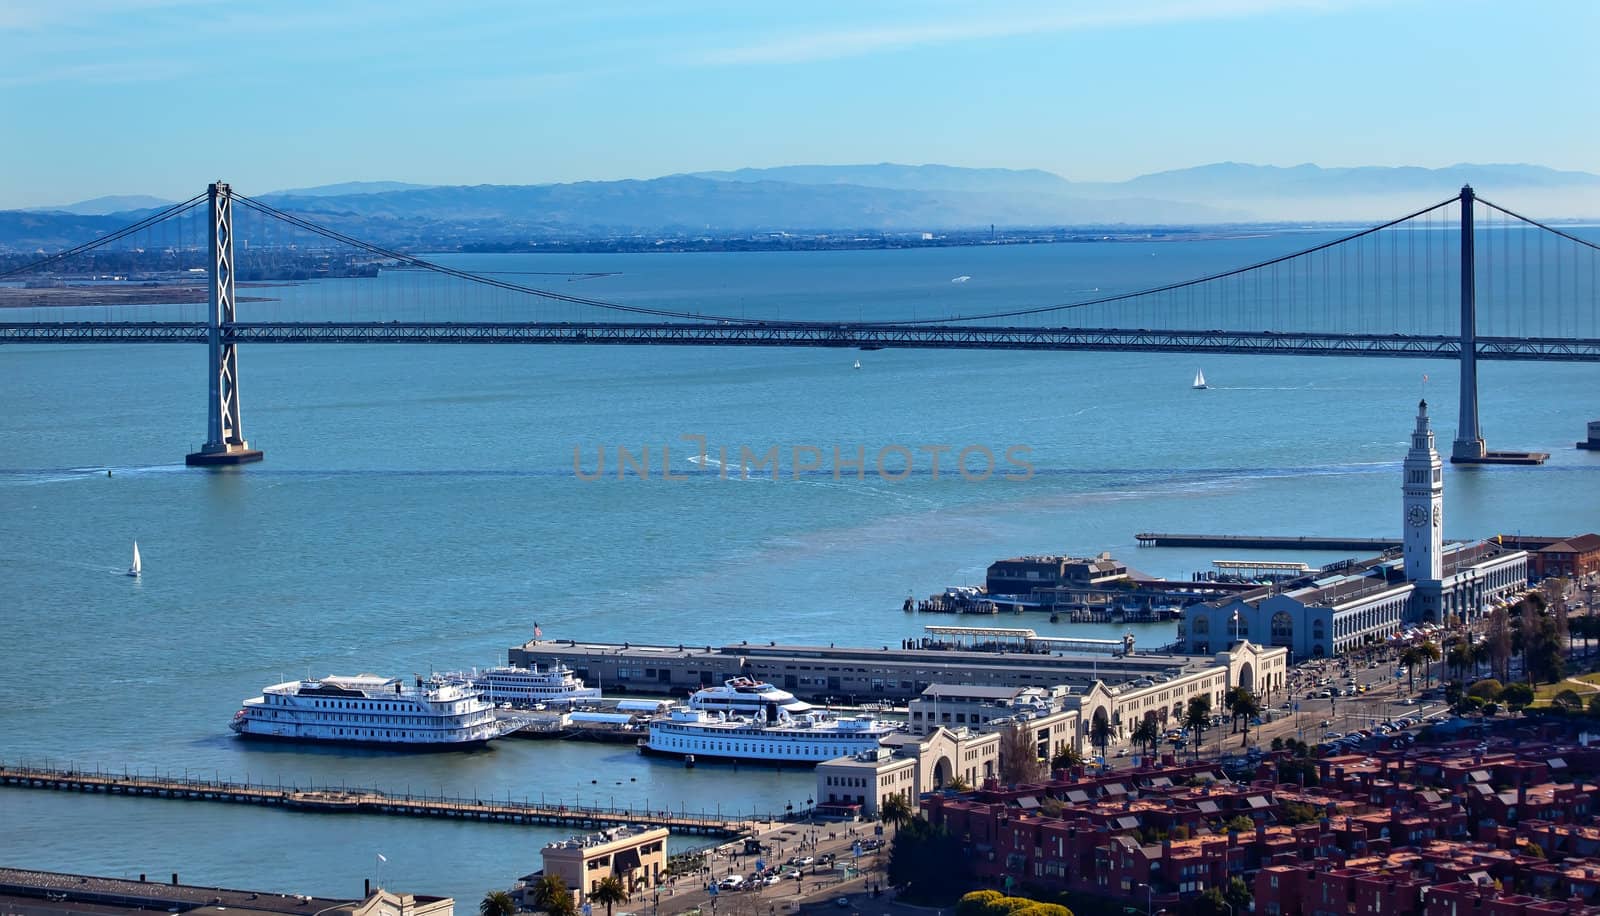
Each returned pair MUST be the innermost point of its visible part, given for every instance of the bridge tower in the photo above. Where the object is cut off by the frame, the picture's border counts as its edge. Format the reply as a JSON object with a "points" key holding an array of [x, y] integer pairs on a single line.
{"points": [[1469, 447], [225, 443]]}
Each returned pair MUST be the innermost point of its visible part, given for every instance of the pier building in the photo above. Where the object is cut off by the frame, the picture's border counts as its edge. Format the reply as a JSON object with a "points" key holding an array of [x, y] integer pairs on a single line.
{"points": [[25, 892], [634, 855], [906, 765], [896, 673], [1425, 580]]}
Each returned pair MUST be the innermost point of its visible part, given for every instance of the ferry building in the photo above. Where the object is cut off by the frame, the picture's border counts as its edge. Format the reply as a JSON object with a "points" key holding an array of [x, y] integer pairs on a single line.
{"points": [[1426, 580]]}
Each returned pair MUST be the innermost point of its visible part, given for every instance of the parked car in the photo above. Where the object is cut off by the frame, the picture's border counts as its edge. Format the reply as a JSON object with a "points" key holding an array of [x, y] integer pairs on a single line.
{"points": [[732, 882]]}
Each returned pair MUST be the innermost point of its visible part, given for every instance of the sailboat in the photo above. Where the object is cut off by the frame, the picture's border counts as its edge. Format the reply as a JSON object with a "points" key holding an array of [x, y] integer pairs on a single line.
{"points": [[137, 567], [1199, 380], [857, 365]]}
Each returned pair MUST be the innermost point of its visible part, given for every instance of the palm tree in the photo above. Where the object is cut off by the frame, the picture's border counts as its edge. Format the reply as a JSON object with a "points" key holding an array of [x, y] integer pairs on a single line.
{"points": [[1409, 657], [551, 895], [1147, 732], [895, 810], [1066, 757], [609, 892], [497, 903], [1100, 734], [1459, 659], [1246, 707], [1196, 717], [1429, 653]]}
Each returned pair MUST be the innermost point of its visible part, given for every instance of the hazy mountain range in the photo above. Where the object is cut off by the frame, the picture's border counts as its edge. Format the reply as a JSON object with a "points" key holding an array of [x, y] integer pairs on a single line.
{"points": [[860, 198]]}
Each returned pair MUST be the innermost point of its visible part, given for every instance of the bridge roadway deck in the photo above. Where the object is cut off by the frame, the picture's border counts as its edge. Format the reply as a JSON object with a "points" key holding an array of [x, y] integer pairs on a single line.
{"points": [[331, 800], [795, 334]]}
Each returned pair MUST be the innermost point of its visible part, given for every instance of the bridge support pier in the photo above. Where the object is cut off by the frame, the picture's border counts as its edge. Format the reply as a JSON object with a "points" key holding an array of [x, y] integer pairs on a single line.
{"points": [[225, 442], [1469, 447]]}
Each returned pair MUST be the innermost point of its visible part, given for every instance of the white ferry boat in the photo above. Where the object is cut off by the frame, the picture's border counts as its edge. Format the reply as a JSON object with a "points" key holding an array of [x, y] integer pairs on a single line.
{"points": [[770, 733], [527, 687], [369, 709], [743, 696]]}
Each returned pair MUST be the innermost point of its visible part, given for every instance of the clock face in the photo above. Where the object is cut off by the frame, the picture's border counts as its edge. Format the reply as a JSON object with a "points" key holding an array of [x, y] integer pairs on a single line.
{"points": [[1418, 516]]}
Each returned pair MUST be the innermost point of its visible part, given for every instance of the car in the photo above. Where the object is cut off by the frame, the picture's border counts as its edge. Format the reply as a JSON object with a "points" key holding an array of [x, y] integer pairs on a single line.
{"points": [[732, 882], [770, 880], [842, 903], [1409, 701], [1333, 735], [801, 861], [1287, 704], [1325, 723], [825, 859]]}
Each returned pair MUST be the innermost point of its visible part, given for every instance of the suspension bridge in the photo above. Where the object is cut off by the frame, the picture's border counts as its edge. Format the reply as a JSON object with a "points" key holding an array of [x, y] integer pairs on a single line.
{"points": [[1463, 279]]}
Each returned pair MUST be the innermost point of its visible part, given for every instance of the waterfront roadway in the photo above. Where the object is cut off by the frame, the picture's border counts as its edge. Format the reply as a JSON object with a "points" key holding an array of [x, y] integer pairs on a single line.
{"points": [[817, 887], [1385, 700]]}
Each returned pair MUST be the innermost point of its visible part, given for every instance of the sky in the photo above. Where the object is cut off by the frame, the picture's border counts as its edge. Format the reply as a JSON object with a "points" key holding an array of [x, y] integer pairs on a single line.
{"points": [[162, 96]]}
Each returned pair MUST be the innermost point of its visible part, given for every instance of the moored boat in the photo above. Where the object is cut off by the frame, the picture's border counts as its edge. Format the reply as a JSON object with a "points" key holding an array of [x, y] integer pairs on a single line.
{"points": [[368, 709]]}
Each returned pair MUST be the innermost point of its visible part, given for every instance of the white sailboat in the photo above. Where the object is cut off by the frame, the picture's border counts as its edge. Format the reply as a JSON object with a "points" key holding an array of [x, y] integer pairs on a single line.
{"points": [[857, 365], [137, 568], [1199, 380]]}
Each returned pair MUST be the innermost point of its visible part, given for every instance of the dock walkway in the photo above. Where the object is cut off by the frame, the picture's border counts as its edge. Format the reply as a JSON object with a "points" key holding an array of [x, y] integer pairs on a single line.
{"points": [[1264, 542], [339, 800]]}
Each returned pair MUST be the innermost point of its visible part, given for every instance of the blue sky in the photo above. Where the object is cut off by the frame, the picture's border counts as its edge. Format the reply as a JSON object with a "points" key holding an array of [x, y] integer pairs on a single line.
{"points": [[161, 96]]}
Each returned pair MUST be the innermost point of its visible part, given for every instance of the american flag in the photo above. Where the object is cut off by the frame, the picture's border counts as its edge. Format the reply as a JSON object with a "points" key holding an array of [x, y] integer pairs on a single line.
{"points": [[537, 633]]}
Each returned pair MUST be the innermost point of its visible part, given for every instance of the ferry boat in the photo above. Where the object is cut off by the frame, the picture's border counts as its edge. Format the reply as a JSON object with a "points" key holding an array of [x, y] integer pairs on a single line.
{"points": [[368, 709], [526, 688], [809, 738], [745, 696], [754, 722]]}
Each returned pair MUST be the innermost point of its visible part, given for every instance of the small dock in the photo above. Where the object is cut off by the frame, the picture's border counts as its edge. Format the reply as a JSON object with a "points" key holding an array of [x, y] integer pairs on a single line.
{"points": [[1265, 542], [340, 800]]}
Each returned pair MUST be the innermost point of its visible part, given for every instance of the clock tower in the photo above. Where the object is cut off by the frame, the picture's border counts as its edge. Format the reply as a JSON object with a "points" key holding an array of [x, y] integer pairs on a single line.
{"points": [[1424, 504]]}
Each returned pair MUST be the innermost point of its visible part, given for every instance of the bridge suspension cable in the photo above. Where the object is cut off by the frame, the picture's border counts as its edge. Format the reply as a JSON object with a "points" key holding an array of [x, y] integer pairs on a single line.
{"points": [[175, 210], [414, 261], [1185, 284]]}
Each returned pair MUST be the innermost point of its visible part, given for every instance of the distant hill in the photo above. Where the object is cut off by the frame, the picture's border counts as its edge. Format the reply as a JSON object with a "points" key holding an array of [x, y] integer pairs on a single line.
{"points": [[348, 188], [683, 203], [116, 203], [911, 177], [863, 198]]}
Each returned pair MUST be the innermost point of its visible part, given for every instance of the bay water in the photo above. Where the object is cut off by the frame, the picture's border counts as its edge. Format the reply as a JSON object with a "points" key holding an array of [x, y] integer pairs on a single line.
{"points": [[419, 509]]}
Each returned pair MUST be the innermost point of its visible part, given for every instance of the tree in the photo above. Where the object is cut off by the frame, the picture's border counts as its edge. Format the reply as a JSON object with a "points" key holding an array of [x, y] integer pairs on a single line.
{"points": [[1429, 653], [1594, 706], [896, 810], [497, 903], [1543, 650], [1568, 701], [1487, 690], [1460, 657], [958, 783], [927, 862], [1211, 903], [1147, 733], [977, 903], [551, 895], [1066, 758], [1100, 734], [1238, 893], [1196, 717], [1238, 824], [1019, 758], [1246, 706], [1498, 645], [1516, 696], [1409, 658], [609, 892]]}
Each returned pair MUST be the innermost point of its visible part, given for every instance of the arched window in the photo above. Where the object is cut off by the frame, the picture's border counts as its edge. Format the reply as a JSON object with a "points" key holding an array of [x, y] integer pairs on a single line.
{"points": [[1282, 629]]}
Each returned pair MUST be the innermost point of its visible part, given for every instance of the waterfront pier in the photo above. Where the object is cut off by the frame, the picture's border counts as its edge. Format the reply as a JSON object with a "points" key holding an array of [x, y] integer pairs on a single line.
{"points": [[354, 800]]}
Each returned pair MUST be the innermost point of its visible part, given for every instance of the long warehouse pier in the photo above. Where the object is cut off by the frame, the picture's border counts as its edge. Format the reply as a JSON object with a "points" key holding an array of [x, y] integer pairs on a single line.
{"points": [[335, 800], [1263, 542]]}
